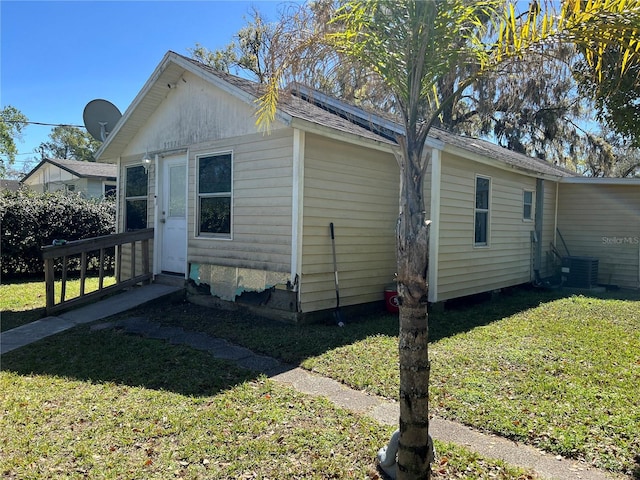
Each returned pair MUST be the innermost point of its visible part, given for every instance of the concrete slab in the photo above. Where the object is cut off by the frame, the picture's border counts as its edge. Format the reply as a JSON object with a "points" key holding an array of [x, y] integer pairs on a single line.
{"points": [[315, 385], [31, 332], [231, 352], [260, 363], [132, 298]]}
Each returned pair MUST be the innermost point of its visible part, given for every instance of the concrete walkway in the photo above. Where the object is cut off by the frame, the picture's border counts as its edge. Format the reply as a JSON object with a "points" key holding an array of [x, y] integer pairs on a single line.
{"points": [[382, 410], [45, 327]]}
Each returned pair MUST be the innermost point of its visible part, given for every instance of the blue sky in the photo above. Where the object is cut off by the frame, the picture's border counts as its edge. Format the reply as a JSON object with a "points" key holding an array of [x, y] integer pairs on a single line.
{"points": [[56, 56]]}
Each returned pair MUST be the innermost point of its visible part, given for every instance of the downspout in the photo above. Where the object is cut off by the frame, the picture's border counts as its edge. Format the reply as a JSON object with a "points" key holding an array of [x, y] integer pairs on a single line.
{"points": [[119, 200], [156, 229], [434, 231], [186, 230], [297, 208], [539, 225]]}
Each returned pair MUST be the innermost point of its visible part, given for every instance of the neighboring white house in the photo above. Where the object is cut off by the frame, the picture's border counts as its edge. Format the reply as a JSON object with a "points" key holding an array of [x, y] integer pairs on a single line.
{"points": [[91, 179], [245, 215]]}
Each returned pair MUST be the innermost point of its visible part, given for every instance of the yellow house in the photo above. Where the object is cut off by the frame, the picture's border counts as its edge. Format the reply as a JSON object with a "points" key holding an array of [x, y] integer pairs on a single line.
{"points": [[244, 216]]}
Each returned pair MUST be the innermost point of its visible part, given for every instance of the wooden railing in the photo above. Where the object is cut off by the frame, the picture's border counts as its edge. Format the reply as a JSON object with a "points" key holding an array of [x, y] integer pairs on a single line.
{"points": [[97, 244]]}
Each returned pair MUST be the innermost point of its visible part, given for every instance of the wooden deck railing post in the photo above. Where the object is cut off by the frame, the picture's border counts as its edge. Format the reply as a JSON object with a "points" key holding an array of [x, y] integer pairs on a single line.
{"points": [[133, 259], [63, 285], [118, 263], [101, 270], [83, 272], [49, 284], [145, 257]]}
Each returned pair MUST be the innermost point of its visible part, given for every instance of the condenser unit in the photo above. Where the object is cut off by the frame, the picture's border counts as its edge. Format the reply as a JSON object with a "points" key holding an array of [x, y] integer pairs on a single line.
{"points": [[580, 272]]}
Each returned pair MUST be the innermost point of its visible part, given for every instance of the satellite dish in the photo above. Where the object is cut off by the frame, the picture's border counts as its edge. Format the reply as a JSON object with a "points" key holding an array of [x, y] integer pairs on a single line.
{"points": [[100, 116]]}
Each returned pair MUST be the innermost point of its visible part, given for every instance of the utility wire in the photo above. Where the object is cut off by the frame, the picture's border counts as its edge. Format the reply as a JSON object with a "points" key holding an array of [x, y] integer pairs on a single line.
{"points": [[45, 124]]}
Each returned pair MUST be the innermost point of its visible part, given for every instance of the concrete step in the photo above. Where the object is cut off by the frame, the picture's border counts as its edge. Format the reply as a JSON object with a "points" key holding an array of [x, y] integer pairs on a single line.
{"points": [[170, 280]]}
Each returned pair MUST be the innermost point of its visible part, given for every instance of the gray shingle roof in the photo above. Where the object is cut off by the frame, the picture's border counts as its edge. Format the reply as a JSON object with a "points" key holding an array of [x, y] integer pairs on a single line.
{"points": [[87, 169], [81, 169], [514, 159]]}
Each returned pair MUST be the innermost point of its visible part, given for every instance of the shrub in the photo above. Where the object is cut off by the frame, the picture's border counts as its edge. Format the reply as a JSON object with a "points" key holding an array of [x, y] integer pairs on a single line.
{"points": [[30, 220]]}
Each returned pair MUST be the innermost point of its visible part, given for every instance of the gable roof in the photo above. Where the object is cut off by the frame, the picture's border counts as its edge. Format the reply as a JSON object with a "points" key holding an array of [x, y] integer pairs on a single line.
{"points": [[80, 169], [292, 111], [307, 109]]}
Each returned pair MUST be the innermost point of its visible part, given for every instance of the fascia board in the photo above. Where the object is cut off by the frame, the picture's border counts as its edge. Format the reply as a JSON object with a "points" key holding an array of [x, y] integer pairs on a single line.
{"points": [[602, 181], [34, 169]]}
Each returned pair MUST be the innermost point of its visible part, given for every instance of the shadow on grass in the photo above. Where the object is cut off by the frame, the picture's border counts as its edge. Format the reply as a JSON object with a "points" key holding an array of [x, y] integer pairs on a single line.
{"points": [[636, 469], [294, 343], [11, 319], [110, 356]]}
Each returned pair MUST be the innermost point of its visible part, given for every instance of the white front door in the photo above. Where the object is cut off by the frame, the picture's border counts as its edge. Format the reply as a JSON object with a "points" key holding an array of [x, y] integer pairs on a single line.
{"points": [[173, 215]]}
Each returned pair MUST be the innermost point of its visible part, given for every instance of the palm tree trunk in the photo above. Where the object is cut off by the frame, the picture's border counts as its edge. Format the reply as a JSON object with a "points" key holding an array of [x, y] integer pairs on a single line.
{"points": [[414, 449]]}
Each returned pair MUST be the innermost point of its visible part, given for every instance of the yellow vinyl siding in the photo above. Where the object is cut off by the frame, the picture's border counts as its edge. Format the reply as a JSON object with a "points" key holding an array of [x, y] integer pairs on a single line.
{"points": [[356, 189], [465, 269], [603, 221], [261, 204]]}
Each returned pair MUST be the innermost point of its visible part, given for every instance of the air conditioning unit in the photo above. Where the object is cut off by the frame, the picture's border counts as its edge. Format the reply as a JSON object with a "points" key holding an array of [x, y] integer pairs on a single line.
{"points": [[580, 272]]}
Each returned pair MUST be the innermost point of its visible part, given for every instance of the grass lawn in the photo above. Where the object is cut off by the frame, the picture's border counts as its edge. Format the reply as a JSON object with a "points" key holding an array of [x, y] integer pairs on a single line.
{"points": [[101, 404], [558, 373], [25, 301]]}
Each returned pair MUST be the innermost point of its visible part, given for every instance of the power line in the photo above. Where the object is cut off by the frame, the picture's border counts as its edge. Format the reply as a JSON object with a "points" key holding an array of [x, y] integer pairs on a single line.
{"points": [[46, 124]]}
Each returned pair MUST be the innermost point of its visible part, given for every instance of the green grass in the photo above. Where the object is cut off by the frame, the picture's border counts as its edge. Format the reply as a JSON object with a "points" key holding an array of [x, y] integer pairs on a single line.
{"points": [[24, 302], [563, 376], [558, 373], [101, 404]]}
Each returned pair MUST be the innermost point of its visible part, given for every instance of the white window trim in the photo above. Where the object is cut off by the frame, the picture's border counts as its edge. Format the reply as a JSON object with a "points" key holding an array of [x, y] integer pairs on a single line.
{"points": [[196, 223], [532, 205], [139, 197], [481, 210]]}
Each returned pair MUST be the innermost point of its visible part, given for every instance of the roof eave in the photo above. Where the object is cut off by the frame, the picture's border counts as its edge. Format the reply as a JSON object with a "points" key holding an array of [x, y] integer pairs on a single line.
{"points": [[499, 164]]}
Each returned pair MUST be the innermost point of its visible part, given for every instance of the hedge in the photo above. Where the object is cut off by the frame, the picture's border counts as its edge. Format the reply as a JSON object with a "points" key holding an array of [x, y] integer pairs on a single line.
{"points": [[30, 220]]}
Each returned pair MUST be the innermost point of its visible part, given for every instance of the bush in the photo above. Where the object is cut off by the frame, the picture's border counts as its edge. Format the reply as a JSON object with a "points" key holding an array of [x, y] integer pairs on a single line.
{"points": [[30, 220]]}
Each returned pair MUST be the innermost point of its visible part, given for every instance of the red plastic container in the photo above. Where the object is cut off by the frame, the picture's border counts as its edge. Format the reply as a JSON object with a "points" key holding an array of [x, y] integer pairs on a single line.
{"points": [[391, 300]]}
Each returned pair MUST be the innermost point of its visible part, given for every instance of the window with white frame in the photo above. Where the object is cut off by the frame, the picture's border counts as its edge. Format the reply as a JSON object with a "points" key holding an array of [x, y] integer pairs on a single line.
{"points": [[527, 205], [214, 195], [481, 230], [135, 198]]}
